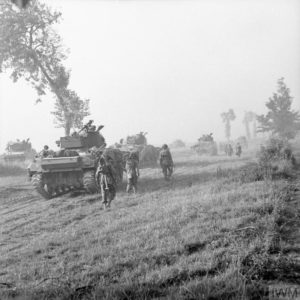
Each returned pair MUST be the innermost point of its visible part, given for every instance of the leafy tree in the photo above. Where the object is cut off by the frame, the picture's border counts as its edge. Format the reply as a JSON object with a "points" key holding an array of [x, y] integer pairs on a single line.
{"points": [[31, 49], [21, 3], [71, 114], [280, 120], [227, 117]]}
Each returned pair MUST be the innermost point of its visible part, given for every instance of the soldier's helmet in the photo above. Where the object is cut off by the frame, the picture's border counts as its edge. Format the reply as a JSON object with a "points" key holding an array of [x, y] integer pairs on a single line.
{"points": [[133, 155], [164, 146], [46, 147]]}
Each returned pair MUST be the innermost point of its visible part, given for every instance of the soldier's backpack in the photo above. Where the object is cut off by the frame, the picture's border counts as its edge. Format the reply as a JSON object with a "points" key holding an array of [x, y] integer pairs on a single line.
{"points": [[165, 157]]}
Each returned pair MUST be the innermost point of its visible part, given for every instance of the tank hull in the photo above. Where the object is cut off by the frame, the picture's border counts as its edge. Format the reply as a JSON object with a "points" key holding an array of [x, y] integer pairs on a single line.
{"points": [[148, 154], [54, 176], [206, 148]]}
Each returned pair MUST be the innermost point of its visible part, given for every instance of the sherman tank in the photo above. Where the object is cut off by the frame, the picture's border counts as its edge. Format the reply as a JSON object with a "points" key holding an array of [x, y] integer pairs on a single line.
{"points": [[18, 151], [74, 166], [206, 145], [148, 154]]}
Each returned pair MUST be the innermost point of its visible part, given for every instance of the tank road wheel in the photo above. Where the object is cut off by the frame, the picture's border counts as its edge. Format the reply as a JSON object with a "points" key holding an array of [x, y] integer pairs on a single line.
{"points": [[39, 186], [89, 182]]}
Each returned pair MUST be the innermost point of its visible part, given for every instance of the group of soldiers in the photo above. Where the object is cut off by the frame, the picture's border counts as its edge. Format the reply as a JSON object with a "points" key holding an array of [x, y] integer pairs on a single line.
{"points": [[109, 174], [165, 161], [229, 149], [132, 167]]}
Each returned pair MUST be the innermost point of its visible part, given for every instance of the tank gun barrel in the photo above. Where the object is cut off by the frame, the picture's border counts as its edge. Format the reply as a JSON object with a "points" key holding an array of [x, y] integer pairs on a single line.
{"points": [[99, 128]]}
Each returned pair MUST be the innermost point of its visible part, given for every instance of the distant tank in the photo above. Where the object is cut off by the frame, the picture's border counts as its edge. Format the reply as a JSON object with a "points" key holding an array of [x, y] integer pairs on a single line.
{"points": [[75, 165], [137, 139], [148, 154], [18, 151], [177, 144], [206, 145]]}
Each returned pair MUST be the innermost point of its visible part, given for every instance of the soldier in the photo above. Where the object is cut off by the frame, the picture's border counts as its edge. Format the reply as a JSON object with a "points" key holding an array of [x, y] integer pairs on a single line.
{"points": [[166, 161], [238, 149], [92, 128], [106, 179], [45, 151], [132, 171]]}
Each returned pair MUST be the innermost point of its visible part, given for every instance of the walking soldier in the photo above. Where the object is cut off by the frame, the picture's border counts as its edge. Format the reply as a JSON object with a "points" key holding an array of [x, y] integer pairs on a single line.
{"points": [[166, 162], [132, 171]]}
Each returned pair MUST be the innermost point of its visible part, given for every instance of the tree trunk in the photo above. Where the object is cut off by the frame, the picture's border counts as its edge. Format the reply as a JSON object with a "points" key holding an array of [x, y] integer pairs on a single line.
{"points": [[67, 130], [52, 84], [248, 135], [68, 124], [55, 90], [227, 130], [254, 128]]}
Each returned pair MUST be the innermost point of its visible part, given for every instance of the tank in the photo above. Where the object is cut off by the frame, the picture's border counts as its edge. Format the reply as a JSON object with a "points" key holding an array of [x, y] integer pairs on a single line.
{"points": [[148, 154], [206, 145], [137, 139], [18, 151], [73, 167], [177, 144]]}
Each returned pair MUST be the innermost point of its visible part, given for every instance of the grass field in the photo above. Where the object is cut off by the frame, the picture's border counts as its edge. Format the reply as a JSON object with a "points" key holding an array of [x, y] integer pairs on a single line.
{"points": [[213, 232]]}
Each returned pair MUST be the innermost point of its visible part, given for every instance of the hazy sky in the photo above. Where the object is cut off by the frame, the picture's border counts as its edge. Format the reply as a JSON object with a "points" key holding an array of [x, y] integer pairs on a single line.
{"points": [[166, 67]]}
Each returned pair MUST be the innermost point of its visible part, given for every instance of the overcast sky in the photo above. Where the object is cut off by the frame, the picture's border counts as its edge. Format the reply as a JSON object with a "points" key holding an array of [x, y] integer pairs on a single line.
{"points": [[166, 67]]}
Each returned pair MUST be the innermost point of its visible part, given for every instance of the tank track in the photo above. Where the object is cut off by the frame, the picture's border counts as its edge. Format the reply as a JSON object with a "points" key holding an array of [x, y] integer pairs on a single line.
{"points": [[37, 182]]}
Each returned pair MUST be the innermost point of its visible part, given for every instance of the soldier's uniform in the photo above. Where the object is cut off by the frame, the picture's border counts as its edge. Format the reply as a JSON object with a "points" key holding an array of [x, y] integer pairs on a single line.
{"points": [[106, 178], [166, 162], [238, 150], [132, 172]]}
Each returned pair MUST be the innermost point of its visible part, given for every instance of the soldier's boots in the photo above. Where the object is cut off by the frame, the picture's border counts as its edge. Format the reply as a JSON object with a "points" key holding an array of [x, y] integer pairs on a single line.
{"points": [[131, 187]]}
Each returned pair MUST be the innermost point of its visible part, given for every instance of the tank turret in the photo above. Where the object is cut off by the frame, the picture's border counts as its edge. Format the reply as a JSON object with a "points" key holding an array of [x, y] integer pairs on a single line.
{"points": [[148, 154], [87, 137], [137, 139], [18, 151]]}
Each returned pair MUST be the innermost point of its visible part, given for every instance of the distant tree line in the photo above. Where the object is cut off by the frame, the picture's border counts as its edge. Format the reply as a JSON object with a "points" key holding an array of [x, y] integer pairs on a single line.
{"points": [[280, 119]]}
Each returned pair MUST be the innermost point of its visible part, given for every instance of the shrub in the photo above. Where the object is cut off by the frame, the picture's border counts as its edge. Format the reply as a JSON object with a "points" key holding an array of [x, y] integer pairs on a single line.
{"points": [[274, 151], [276, 159]]}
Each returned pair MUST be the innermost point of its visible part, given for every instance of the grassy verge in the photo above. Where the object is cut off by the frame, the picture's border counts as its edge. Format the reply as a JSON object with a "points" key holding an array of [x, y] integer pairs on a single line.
{"points": [[211, 233]]}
